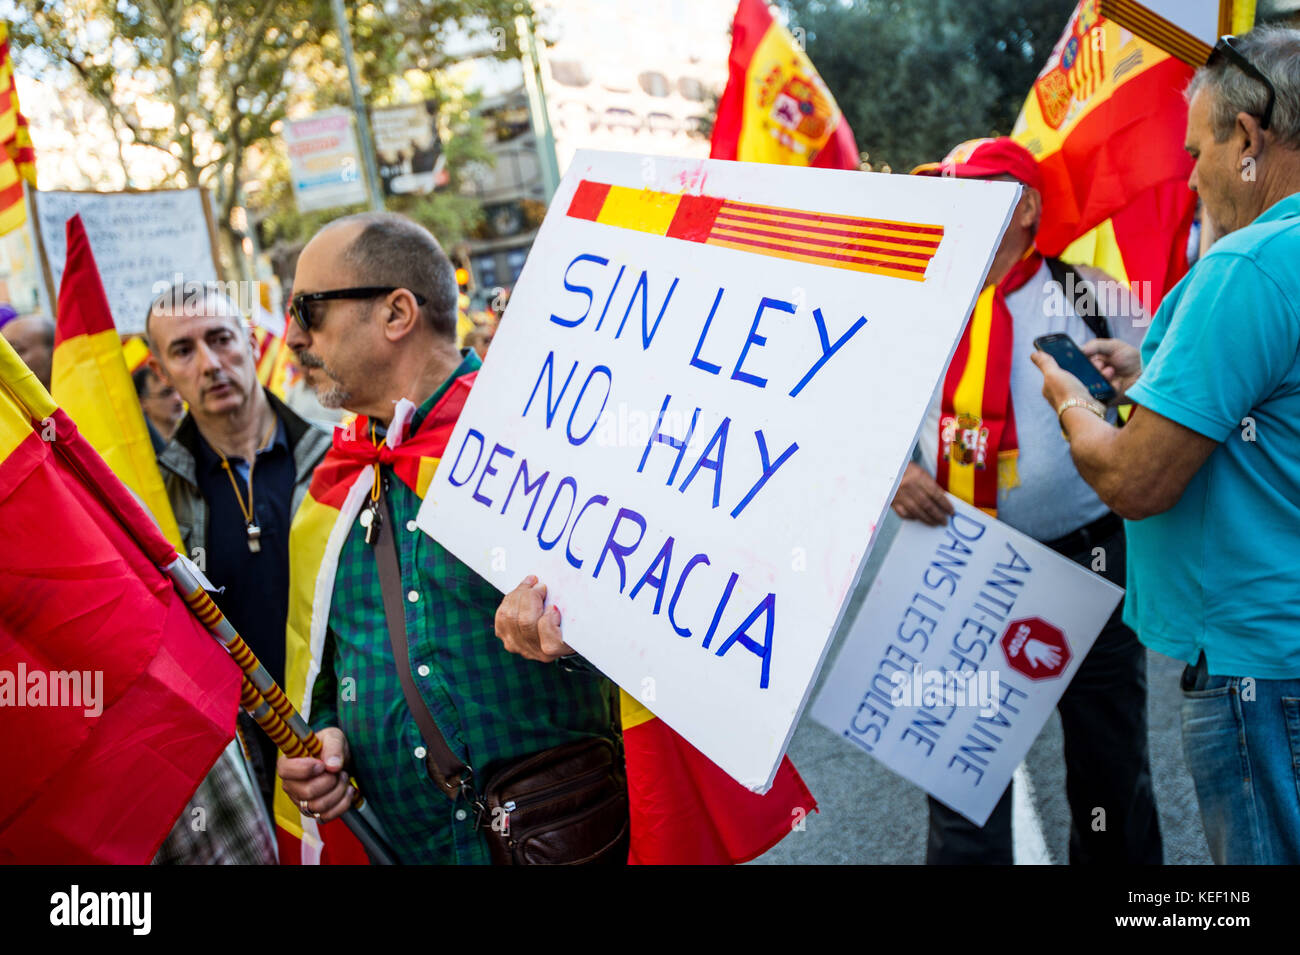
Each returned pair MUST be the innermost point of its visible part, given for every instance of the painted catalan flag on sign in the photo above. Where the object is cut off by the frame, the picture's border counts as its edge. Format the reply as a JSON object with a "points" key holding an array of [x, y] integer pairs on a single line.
{"points": [[884, 247], [775, 107], [1106, 120], [17, 159]]}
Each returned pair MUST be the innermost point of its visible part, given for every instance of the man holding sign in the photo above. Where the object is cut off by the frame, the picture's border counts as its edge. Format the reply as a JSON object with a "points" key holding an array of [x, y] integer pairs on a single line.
{"points": [[374, 314], [988, 440]]}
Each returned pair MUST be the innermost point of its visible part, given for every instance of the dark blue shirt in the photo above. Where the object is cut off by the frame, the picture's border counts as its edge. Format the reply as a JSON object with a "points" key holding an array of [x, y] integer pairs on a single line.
{"points": [[254, 587]]}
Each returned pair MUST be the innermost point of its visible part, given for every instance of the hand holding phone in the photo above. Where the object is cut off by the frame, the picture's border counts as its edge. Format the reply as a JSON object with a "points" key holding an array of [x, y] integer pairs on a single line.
{"points": [[1067, 354]]}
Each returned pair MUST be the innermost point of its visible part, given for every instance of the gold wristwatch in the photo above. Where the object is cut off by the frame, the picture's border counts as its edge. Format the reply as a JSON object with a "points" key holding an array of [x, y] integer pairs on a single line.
{"points": [[1096, 407]]}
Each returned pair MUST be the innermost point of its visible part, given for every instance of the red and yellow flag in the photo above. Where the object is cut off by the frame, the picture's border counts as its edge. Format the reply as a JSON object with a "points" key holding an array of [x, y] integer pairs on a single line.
{"points": [[91, 381], [776, 107], [687, 811], [275, 366], [117, 701], [884, 247], [1106, 120], [17, 159]]}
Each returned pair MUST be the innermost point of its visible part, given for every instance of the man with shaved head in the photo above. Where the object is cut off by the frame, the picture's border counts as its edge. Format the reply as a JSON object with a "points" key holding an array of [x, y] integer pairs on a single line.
{"points": [[374, 323]]}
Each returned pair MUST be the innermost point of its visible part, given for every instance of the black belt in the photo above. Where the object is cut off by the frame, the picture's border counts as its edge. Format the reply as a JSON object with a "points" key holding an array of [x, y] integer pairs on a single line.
{"points": [[1075, 542]]}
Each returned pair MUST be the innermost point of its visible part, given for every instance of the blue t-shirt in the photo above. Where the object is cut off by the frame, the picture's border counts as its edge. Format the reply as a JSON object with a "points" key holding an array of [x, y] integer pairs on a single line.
{"points": [[1220, 570]]}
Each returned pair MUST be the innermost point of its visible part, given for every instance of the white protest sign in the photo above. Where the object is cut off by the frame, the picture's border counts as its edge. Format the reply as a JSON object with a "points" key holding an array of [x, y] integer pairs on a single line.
{"points": [[968, 638], [695, 411], [139, 239]]}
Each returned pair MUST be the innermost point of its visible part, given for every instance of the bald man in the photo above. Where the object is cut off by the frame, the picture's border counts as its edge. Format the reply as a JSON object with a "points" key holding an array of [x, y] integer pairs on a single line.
{"points": [[374, 323]]}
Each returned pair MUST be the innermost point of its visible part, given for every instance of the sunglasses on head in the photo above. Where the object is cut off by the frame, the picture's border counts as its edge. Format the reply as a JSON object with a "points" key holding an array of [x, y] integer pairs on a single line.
{"points": [[301, 306], [1226, 49]]}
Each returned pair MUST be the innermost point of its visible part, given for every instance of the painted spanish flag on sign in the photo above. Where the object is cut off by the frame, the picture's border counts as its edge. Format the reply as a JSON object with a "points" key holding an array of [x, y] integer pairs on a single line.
{"points": [[775, 107], [884, 247], [1106, 120]]}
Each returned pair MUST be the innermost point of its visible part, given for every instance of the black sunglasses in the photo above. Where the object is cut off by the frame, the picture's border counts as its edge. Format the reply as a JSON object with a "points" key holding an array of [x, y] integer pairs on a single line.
{"points": [[300, 306], [1225, 48]]}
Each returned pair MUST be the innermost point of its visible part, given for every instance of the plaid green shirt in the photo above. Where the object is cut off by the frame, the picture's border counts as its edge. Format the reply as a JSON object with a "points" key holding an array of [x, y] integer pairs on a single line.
{"points": [[490, 705]]}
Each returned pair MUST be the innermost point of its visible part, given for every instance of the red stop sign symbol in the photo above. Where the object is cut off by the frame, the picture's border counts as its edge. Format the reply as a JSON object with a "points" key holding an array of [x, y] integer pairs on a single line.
{"points": [[1035, 648]]}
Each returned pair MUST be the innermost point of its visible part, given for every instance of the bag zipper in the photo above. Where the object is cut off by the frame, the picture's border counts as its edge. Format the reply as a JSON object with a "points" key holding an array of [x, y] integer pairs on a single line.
{"points": [[577, 782]]}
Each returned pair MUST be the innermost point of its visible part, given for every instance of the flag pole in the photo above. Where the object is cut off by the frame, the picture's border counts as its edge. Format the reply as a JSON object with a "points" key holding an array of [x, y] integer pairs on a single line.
{"points": [[263, 700]]}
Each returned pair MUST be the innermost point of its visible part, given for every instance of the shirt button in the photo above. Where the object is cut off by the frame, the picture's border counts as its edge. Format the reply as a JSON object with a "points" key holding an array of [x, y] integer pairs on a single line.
{"points": [[413, 596], [412, 526], [422, 669], [419, 752], [461, 815]]}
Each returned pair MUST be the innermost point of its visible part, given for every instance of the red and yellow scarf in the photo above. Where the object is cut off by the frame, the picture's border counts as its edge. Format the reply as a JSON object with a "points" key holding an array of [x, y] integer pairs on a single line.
{"points": [[977, 423]]}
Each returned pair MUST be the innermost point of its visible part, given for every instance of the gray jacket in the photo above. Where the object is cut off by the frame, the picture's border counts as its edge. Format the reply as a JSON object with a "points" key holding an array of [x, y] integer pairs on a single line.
{"points": [[307, 441]]}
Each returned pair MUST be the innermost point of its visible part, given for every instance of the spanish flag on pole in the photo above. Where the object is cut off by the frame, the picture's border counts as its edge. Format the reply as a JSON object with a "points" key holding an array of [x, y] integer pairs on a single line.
{"points": [[775, 107], [116, 699], [17, 159], [91, 381], [1106, 121]]}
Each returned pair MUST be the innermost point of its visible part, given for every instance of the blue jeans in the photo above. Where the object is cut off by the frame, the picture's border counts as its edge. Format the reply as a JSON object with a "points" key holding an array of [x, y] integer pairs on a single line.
{"points": [[1241, 741]]}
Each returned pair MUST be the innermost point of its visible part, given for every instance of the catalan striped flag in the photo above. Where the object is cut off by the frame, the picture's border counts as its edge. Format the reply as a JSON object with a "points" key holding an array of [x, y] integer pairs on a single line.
{"points": [[776, 107], [90, 379], [275, 367], [1106, 121], [17, 159], [126, 699], [880, 246]]}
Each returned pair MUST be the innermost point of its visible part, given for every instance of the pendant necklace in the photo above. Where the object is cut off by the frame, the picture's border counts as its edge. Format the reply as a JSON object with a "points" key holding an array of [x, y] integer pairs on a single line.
{"points": [[250, 523]]}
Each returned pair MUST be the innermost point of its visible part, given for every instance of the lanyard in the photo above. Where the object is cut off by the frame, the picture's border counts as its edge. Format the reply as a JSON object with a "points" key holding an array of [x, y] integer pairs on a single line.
{"points": [[250, 525]]}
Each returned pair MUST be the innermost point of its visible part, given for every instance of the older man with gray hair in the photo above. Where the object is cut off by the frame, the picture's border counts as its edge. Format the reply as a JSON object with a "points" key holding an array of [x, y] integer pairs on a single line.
{"points": [[1207, 469]]}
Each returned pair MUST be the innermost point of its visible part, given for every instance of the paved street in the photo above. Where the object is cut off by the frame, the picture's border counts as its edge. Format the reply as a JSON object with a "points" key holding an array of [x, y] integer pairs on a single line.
{"points": [[869, 815]]}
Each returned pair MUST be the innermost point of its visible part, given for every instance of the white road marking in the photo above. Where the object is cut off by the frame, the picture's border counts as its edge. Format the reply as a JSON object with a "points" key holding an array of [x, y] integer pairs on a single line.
{"points": [[1027, 840]]}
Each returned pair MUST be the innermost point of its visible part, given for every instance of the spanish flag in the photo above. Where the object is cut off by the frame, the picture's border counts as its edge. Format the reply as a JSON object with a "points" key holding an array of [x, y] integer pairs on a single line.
{"points": [[1106, 121], [116, 699], [17, 159], [775, 107], [90, 379]]}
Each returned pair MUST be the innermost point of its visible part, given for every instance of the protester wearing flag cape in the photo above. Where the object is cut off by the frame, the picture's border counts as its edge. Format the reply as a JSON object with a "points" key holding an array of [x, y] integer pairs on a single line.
{"points": [[374, 314]]}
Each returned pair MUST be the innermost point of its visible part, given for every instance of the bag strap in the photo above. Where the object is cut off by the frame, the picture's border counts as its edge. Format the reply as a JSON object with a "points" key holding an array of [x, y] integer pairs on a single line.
{"points": [[451, 775], [1086, 298]]}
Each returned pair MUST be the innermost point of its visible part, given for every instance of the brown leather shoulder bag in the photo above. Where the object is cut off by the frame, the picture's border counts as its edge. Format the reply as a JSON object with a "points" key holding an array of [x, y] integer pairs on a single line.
{"points": [[563, 806]]}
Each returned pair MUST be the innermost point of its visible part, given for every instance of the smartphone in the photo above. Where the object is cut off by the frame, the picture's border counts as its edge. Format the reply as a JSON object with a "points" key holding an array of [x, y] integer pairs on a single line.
{"points": [[1067, 354]]}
